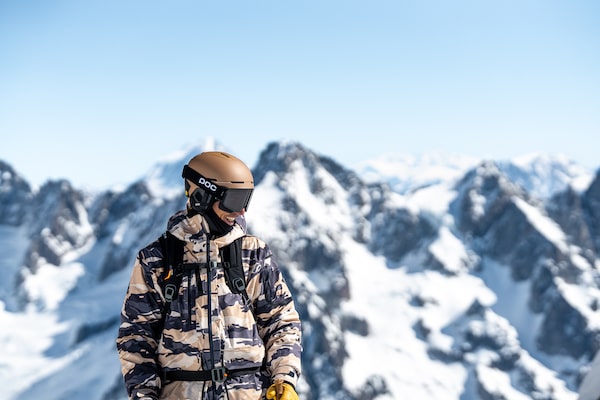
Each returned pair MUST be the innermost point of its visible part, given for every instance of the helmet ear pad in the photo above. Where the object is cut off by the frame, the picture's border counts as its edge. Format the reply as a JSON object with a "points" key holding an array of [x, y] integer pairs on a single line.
{"points": [[201, 200]]}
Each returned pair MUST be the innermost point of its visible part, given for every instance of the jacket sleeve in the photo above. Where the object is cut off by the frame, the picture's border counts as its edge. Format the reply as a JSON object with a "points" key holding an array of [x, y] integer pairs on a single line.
{"points": [[278, 321], [139, 332]]}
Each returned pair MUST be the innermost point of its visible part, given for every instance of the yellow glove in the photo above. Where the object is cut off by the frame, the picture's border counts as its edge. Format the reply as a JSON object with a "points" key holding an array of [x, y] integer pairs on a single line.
{"points": [[281, 390]]}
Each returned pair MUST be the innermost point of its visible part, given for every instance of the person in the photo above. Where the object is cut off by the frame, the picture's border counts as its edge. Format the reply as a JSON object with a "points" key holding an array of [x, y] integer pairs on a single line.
{"points": [[200, 338]]}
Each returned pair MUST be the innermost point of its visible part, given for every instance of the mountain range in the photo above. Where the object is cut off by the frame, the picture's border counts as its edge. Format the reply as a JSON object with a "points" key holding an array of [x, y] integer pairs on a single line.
{"points": [[416, 278]]}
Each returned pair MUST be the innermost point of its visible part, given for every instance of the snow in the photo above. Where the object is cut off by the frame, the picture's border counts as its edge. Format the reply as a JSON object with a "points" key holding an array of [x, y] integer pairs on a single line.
{"points": [[120, 233], [432, 200], [582, 183], [543, 224], [63, 279], [406, 172], [391, 318], [85, 381], [22, 359], [265, 199], [544, 378], [450, 251], [542, 175], [497, 382], [323, 208], [581, 300]]}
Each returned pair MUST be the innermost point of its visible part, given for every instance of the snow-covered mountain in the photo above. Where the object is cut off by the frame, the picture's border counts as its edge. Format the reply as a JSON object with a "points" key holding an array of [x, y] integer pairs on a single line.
{"points": [[465, 279]]}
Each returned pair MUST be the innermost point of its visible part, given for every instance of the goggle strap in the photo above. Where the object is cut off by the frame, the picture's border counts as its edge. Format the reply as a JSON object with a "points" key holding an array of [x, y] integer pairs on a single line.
{"points": [[201, 181]]}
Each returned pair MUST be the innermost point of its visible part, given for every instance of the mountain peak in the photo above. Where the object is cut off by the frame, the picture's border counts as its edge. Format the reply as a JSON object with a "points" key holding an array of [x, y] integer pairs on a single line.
{"points": [[164, 178]]}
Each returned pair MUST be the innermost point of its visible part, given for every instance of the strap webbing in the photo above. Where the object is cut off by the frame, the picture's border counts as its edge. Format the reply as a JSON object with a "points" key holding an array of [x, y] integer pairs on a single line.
{"points": [[208, 375]]}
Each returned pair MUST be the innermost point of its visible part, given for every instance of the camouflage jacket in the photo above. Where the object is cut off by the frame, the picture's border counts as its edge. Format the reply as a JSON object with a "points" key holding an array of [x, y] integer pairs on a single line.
{"points": [[148, 345]]}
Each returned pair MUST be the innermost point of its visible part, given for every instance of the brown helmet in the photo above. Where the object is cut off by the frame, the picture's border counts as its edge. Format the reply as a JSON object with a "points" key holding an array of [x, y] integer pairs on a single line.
{"points": [[215, 175]]}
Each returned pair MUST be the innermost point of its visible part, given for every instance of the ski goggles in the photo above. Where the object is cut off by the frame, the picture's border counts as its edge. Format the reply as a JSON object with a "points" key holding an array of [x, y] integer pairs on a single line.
{"points": [[231, 200], [235, 200]]}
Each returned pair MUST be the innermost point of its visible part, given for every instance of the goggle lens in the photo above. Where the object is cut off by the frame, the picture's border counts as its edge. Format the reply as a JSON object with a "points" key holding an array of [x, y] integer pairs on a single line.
{"points": [[235, 200]]}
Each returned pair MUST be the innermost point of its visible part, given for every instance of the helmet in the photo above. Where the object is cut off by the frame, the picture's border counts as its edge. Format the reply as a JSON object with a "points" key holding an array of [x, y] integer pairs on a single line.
{"points": [[215, 175]]}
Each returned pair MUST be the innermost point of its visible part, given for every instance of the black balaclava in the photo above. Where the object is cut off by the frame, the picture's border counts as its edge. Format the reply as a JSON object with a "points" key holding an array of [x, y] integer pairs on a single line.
{"points": [[217, 226]]}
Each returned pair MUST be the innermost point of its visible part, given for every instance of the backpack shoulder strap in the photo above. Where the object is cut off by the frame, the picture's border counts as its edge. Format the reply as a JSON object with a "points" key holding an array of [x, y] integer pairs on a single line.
{"points": [[234, 270], [233, 267], [172, 251]]}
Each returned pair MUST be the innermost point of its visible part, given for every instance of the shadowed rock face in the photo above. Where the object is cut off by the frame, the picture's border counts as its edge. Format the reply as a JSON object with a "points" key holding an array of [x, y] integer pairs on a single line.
{"points": [[591, 210], [15, 196]]}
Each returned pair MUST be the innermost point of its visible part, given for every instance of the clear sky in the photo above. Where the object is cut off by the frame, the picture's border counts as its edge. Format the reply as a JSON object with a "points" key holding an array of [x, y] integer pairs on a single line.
{"points": [[97, 91]]}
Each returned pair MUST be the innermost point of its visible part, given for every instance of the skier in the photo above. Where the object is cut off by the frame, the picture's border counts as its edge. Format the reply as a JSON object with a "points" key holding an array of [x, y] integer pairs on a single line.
{"points": [[187, 331]]}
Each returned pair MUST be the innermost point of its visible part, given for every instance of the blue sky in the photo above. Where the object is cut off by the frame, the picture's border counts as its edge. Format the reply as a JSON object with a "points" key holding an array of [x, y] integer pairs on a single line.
{"points": [[97, 91]]}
